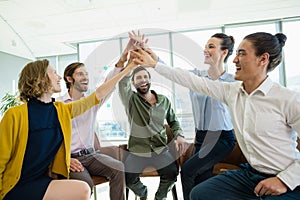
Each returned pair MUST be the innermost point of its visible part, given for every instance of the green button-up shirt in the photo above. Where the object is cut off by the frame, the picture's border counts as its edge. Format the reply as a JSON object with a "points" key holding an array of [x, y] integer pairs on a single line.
{"points": [[147, 122]]}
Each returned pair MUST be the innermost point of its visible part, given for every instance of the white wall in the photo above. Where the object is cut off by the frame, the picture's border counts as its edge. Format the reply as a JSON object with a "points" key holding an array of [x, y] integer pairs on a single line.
{"points": [[10, 68]]}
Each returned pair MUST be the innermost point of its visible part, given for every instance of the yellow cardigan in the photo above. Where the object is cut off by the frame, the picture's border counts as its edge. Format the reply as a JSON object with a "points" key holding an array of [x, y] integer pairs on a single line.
{"points": [[14, 135]]}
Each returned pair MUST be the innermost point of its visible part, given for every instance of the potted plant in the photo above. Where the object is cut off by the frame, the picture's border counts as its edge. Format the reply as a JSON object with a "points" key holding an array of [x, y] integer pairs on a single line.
{"points": [[9, 100]]}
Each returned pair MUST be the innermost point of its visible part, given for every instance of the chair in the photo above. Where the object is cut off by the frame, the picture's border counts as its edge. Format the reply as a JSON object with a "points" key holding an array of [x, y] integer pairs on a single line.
{"points": [[112, 151], [151, 171], [233, 160], [230, 162]]}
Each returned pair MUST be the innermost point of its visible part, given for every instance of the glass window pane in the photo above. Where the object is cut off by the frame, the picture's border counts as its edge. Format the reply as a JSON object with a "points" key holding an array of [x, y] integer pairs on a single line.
{"points": [[291, 54], [99, 58]]}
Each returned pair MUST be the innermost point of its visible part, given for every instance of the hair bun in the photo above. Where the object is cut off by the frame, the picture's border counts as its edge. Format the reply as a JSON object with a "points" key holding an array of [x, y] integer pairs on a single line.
{"points": [[281, 38], [232, 39]]}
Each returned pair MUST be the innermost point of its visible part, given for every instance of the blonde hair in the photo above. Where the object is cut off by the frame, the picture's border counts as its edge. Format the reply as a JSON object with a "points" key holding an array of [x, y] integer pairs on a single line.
{"points": [[34, 80]]}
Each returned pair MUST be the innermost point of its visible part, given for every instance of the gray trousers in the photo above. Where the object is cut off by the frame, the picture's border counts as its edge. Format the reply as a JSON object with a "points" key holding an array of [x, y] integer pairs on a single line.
{"points": [[103, 165]]}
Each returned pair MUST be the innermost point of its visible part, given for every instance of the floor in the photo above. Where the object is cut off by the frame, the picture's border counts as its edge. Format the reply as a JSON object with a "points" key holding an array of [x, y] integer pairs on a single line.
{"points": [[151, 182]]}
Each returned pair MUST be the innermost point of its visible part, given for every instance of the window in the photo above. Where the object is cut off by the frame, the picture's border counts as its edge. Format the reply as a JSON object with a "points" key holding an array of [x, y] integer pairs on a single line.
{"points": [[181, 49], [290, 51]]}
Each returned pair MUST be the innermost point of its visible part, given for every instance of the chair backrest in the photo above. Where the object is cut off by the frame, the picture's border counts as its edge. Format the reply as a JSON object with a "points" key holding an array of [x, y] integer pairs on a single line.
{"points": [[189, 153], [236, 157], [112, 151], [97, 145]]}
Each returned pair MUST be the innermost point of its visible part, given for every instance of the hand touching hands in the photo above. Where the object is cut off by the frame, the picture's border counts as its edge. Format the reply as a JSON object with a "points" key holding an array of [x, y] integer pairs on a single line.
{"points": [[142, 57]]}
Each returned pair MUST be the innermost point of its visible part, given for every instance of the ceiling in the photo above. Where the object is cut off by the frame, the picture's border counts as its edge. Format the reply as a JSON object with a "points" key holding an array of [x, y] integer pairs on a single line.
{"points": [[37, 28]]}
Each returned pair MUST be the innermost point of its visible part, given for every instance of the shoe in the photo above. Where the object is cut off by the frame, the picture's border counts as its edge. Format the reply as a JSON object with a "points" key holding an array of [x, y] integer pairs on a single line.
{"points": [[143, 198]]}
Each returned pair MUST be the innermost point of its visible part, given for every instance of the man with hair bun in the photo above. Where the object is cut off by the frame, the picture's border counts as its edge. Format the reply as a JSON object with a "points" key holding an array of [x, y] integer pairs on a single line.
{"points": [[266, 118]]}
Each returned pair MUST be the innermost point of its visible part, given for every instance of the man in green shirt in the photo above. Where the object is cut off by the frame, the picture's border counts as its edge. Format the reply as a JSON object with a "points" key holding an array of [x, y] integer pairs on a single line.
{"points": [[147, 112]]}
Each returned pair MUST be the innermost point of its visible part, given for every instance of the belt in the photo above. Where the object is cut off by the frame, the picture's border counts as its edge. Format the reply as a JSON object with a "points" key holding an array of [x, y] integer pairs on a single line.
{"points": [[248, 166], [83, 152]]}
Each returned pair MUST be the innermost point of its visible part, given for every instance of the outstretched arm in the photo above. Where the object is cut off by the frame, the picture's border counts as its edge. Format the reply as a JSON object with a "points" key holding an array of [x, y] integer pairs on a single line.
{"points": [[108, 86]]}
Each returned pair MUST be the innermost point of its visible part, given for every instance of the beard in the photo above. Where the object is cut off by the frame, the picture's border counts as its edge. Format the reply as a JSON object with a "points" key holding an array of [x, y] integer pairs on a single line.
{"points": [[143, 91], [79, 87]]}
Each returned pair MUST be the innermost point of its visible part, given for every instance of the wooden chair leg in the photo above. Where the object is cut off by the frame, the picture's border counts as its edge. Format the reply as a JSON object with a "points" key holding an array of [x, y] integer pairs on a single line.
{"points": [[174, 193], [95, 192]]}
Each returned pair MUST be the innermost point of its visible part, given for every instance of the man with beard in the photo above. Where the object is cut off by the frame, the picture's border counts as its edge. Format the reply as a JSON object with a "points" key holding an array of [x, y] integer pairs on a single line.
{"points": [[147, 112], [85, 161]]}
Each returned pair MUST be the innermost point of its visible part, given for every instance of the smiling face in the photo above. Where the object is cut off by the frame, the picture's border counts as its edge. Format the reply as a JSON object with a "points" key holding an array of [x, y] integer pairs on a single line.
{"points": [[141, 81], [213, 53], [247, 63], [80, 79], [55, 79]]}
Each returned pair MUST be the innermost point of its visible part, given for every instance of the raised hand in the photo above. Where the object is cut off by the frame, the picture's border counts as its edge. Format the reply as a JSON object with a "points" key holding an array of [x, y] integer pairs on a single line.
{"points": [[135, 40], [142, 57]]}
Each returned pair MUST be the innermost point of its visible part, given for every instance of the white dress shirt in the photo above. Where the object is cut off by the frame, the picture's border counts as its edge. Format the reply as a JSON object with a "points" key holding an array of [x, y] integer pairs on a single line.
{"points": [[266, 122]]}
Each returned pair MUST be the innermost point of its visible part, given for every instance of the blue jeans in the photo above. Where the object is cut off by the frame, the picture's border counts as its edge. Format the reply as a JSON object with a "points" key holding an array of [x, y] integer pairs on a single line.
{"points": [[214, 147], [237, 185]]}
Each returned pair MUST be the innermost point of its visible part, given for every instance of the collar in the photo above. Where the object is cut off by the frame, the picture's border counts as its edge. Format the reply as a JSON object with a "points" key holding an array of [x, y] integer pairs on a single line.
{"points": [[264, 87], [66, 98], [158, 99]]}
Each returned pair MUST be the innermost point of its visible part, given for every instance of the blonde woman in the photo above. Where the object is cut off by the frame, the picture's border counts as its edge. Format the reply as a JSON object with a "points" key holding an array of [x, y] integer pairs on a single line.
{"points": [[36, 137]]}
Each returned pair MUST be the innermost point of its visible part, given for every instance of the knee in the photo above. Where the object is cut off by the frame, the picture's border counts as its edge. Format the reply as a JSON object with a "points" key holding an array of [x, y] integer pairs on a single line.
{"points": [[119, 170], [197, 193], [120, 166], [82, 177], [84, 191], [194, 195]]}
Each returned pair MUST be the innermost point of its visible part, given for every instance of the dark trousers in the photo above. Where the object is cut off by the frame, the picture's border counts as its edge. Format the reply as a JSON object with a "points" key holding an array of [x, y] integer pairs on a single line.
{"points": [[237, 185], [166, 168], [211, 147]]}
